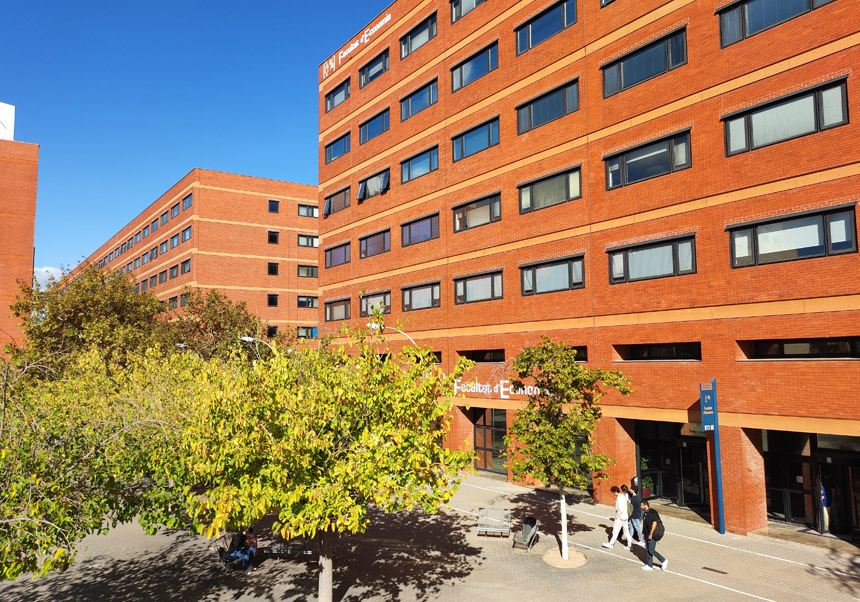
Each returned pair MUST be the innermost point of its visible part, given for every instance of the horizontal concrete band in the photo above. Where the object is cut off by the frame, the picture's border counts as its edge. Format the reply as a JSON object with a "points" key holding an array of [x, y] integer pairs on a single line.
{"points": [[313, 261], [227, 222], [195, 284]]}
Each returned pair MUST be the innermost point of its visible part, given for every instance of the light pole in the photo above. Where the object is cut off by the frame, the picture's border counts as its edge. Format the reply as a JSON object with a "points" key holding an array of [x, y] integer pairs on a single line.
{"points": [[382, 327], [249, 339]]}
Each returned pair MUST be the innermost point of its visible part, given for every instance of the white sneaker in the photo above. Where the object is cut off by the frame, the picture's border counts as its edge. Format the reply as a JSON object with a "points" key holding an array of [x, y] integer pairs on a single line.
{"points": [[647, 568], [665, 566], [628, 548], [641, 542], [606, 544]]}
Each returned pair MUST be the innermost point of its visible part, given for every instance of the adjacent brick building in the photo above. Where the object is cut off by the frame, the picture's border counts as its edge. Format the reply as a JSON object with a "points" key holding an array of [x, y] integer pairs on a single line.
{"points": [[253, 239], [19, 166], [669, 185]]}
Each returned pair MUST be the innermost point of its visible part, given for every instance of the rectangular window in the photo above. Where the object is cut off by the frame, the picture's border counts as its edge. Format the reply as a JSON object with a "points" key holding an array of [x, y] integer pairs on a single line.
{"points": [[153, 280], [548, 107], [661, 259], [274, 206], [420, 35], [136, 262], [153, 252], [122, 248], [419, 100], [308, 271], [183, 299], [337, 255], [605, 2], [475, 67], [799, 236], [273, 237], [337, 95], [128, 244], [375, 301], [373, 69], [648, 161], [372, 186], [744, 19], [272, 269], [164, 218], [542, 27], [789, 117], [110, 256], [174, 240], [336, 149], [420, 230], [186, 202], [128, 266], [477, 139], [419, 165], [309, 211], [154, 225], [461, 8], [375, 244], [185, 266], [549, 191], [144, 284], [649, 61], [306, 332], [186, 234], [144, 259], [823, 348], [484, 356], [272, 300], [145, 231], [373, 127], [163, 247], [172, 302], [307, 302], [337, 310], [174, 211], [271, 331], [162, 276], [477, 213], [308, 240], [137, 288], [550, 276], [482, 287], [174, 271], [661, 352], [336, 202], [423, 296], [137, 238]]}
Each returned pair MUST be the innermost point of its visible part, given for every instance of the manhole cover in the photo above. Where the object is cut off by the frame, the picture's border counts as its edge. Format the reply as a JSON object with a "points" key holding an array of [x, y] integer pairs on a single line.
{"points": [[575, 559]]}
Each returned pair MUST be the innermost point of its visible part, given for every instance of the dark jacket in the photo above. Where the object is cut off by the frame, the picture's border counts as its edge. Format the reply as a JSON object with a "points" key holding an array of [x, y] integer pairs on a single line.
{"points": [[637, 505], [649, 519], [237, 543]]}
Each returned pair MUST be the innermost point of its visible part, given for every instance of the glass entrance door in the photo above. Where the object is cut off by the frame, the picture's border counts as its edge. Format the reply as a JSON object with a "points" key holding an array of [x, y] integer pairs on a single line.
{"points": [[491, 426], [693, 487]]}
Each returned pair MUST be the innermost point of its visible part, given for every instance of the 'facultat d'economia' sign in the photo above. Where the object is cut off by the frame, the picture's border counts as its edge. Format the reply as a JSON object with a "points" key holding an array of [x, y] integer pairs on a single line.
{"points": [[331, 65]]}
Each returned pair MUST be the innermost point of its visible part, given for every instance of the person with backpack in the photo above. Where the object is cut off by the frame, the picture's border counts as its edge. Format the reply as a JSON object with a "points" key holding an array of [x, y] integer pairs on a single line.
{"points": [[654, 531], [622, 517]]}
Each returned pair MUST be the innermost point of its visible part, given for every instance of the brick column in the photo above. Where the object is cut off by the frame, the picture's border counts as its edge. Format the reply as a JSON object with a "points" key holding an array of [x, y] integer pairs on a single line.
{"points": [[743, 480], [461, 434], [615, 439]]}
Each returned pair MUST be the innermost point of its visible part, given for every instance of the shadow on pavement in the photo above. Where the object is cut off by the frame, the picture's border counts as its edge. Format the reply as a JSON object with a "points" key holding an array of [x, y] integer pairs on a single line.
{"points": [[845, 572], [544, 505]]}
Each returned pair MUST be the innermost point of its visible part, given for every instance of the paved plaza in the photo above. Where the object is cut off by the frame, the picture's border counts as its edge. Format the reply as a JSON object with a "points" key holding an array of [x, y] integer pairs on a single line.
{"points": [[411, 556]]}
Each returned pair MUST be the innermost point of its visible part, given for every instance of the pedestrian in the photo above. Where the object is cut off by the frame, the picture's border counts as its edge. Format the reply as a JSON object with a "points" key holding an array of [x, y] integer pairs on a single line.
{"points": [[636, 515], [621, 518], [654, 531]]}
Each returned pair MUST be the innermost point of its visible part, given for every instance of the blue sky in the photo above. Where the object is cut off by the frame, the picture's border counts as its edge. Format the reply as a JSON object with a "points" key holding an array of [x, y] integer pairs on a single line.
{"points": [[125, 98]]}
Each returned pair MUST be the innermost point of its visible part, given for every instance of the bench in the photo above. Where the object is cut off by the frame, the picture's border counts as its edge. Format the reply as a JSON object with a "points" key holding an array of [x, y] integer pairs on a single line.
{"points": [[494, 520]]}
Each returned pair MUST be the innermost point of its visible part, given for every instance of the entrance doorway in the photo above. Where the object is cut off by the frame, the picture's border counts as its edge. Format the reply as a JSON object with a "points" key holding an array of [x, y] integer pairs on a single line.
{"points": [[491, 426], [674, 462], [838, 472]]}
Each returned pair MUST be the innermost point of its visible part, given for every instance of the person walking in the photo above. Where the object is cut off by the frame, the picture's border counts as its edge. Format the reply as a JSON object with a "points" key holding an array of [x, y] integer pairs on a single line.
{"points": [[654, 531], [621, 518], [636, 515]]}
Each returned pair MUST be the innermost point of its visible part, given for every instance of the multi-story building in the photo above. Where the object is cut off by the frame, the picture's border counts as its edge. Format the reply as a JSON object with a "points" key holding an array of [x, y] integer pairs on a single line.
{"points": [[253, 239], [669, 185], [19, 166]]}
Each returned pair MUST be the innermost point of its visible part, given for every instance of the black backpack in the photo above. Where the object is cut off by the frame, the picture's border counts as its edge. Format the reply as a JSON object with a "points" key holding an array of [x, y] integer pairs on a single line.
{"points": [[660, 531]]}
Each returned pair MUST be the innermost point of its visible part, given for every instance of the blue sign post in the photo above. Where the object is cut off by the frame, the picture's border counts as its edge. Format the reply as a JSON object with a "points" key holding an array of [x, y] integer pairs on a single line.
{"points": [[711, 422]]}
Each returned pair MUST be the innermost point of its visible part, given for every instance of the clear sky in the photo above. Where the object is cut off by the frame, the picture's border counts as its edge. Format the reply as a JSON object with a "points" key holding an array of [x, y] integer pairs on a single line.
{"points": [[125, 98]]}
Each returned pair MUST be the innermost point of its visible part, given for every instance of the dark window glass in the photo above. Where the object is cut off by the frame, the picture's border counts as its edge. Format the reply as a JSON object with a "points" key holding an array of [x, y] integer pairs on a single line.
{"points": [[183, 299], [163, 247], [653, 260], [423, 296], [164, 218], [748, 18], [271, 332], [305, 301], [483, 287], [419, 165], [418, 101], [145, 231], [174, 211], [336, 202], [373, 69], [475, 67], [172, 303], [336, 149], [185, 266], [153, 252], [372, 186], [420, 35], [144, 259], [154, 225], [308, 271], [375, 244], [274, 206], [807, 348], [477, 213], [337, 95], [551, 276], [477, 139], [144, 284], [271, 300], [460, 8], [306, 332], [186, 234], [648, 161], [662, 352], [337, 255], [484, 356], [647, 62], [162, 276], [174, 271], [553, 190], [274, 237], [174, 241], [308, 211], [542, 27], [337, 310], [373, 301], [308, 240], [273, 268], [549, 107], [424, 229], [137, 238], [186, 202], [373, 127]]}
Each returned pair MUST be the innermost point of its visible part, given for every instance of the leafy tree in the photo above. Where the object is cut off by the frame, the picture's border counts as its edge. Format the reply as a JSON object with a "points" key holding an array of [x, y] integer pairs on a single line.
{"points": [[551, 438], [319, 435]]}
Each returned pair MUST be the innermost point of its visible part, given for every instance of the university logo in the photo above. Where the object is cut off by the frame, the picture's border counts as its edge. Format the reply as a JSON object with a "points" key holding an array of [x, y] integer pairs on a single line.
{"points": [[328, 67]]}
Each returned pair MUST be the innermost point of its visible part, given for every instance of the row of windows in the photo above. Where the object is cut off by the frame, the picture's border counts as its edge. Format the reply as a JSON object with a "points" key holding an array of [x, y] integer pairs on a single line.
{"points": [[304, 240], [304, 271], [304, 210], [303, 301], [161, 248], [173, 212], [787, 238], [163, 276], [302, 332]]}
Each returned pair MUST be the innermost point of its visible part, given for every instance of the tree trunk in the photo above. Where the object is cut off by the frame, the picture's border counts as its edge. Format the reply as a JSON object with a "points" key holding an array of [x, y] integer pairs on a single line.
{"points": [[326, 579], [563, 505]]}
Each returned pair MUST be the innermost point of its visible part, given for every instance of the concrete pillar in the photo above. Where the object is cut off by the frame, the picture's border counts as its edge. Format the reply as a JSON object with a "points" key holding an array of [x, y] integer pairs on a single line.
{"points": [[615, 439], [744, 498]]}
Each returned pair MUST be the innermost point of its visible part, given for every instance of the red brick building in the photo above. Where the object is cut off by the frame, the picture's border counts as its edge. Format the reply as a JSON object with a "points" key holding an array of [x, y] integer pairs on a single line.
{"points": [[669, 185], [253, 239], [19, 166]]}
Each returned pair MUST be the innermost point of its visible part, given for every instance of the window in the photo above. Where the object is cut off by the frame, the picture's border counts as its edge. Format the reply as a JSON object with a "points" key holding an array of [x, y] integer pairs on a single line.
{"points": [[484, 356], [309, 211], [174, 271], [661, 352], [174, 211], [306, 332], [271, 331], [137, 238], [789, 117], [174, 241], [272, 268], [128, 266], [798, 236], [661, 259], [307, 302], [172, 302], [461, 8], [162, 276], [145, 231], [154, 225], [373, 69], [477, 213], [548, 107], [337, 95], [308, 271], [110, 256], [307, 240], [375, 301], [833, 348], [136, 262], [649, 61], [375, 244], [373, 127], [422, 296], [163, 247], [164, 218], [136, 288], [186, 202], [477, 139], [648, 161], [183, 299], [185, 266], [420, 230], [542, 27], [481, 287], [419, 165], [144, 259], [372, 186], [144, 284], [186, 234], [549, 191], [129, 244], [605, 2], [550, 276], [419, 100], [475, 67], [122, 248], [153, 252], [272, 300], [274, 237], [744, 19], [337, 255], [336, 202], [336, 149], [337, 310], [420, 35], [153, 280], [274, 206]]}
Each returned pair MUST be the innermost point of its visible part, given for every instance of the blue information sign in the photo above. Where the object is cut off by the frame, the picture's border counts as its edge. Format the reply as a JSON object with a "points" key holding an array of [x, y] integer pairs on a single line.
{"points": [[711, 424]]}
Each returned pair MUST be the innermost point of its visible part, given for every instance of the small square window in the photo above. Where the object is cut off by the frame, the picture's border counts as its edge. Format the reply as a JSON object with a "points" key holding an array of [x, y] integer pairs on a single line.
{"points": [[272, 300], [273, 237], [274, 206], [271, 332], [273, 268]]}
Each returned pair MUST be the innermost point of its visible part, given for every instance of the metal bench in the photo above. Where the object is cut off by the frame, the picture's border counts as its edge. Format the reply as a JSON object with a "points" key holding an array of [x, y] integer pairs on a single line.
{"points": [[528, 537], [495, 521]]}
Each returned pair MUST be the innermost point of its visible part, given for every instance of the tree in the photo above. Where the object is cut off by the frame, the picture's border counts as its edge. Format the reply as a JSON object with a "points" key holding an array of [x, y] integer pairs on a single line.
{"points": [[552, 437], [319, 435]]}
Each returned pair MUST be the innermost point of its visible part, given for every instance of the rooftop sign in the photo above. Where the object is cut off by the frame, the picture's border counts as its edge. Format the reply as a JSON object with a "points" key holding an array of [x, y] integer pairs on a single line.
{"points": [[331, 65]]}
